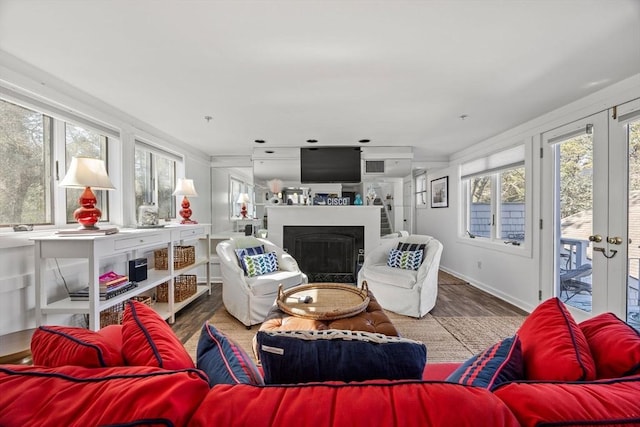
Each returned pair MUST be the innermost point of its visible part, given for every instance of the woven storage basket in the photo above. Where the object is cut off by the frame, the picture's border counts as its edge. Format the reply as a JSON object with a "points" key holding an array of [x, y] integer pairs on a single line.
{"points": [[111, 315], [143, 299], [183, 256], [185, 285]]}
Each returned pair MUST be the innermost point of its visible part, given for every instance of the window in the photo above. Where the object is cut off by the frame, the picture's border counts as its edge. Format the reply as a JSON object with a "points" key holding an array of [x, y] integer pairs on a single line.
{"points": [[25, 166], [494, 201], [35, 150], [421, 189], [236, 188], [155, 179], [81, 142]]}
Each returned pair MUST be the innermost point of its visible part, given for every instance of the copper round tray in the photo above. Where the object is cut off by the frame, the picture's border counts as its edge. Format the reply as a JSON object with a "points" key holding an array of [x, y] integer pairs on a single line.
{"points": [[324, 301]]}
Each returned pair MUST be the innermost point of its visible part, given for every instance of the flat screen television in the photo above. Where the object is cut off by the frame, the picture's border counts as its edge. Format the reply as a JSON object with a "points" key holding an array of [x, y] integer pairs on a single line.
{"points": [[330, 165]]}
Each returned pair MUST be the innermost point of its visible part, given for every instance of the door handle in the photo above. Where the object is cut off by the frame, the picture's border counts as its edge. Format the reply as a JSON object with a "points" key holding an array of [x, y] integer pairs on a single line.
{"points": [[604, 252], [614, 240], [595, 238]]}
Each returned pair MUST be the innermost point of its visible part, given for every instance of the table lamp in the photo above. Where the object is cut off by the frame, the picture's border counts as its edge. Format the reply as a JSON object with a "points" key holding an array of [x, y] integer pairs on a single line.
{"points": [[185, 188], [243, 198], [87, 173]]}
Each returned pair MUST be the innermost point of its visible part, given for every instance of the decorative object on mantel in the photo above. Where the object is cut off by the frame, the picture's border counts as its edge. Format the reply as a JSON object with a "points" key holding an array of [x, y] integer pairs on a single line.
{"points": [[275, 187], [86, 172], [371, 195], [243, 199], [186, 188], [440, 192], [358, 199]]}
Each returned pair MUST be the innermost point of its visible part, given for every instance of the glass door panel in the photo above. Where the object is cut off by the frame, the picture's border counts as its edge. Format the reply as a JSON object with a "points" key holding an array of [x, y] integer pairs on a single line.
{"points": [[574, 174], [574, 215], [633, 224], [575, 200]]}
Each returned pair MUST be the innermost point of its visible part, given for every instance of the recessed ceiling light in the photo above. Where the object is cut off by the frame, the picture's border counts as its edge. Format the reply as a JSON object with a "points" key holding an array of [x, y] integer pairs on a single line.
{"points": [[259, 141], [269, 151], [463, 116], [208, 118], [364, 141], [312, 141]]}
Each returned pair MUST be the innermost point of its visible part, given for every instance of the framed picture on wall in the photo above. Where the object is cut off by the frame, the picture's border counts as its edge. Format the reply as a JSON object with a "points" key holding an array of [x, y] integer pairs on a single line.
{"points": [[440, 192]]}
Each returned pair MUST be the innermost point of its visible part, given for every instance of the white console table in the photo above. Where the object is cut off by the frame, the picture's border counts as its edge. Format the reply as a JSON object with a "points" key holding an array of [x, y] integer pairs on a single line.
{"points": [[129, 244]]}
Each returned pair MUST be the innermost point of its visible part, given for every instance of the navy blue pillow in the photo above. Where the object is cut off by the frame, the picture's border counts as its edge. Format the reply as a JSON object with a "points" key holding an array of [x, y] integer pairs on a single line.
{"points": [[242, 252], [498, 364], [224, 361], [290, 357]]}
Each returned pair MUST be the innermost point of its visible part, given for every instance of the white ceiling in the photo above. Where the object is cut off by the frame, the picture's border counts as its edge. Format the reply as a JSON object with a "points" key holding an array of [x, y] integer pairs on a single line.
{"points": [[400, 73]]}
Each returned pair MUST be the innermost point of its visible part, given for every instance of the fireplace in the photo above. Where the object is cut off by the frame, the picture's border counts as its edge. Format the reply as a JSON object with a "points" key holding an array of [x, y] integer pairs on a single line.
{"points": [[326, 253]]}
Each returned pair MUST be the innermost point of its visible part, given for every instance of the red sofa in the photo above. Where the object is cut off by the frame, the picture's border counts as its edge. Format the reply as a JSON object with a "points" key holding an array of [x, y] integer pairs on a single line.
{"points": [[139, 374]]}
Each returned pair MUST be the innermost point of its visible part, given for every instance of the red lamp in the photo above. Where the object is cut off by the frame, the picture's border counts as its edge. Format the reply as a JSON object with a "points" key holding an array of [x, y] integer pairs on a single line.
{"points": [[186, 188], [87, 172], [243, 199]]}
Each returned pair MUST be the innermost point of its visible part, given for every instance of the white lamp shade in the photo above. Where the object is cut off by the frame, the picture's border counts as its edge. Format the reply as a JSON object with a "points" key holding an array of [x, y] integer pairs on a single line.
{"points": [[87, 172], [185, 187], [243, 198]]}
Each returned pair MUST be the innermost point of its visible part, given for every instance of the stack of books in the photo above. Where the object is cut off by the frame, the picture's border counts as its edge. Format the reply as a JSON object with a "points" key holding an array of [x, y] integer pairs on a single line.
{"points": [[111, 285]]}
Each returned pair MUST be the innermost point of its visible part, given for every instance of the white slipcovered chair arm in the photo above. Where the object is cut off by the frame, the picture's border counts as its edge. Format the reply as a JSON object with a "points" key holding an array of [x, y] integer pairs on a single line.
{"points": [[432, 251], [287, 262]]}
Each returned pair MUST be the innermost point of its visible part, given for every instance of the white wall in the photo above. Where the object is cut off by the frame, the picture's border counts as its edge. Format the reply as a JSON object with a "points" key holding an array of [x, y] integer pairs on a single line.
{"points": [[509, 273]]}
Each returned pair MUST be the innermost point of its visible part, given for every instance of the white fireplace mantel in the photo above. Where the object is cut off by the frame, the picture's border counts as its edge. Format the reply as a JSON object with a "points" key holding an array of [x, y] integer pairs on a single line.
{"points": [[368, 216]]}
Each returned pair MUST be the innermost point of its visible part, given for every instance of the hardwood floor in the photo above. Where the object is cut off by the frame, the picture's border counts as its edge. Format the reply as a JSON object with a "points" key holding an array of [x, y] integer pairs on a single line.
{"points": [[453, 301]]}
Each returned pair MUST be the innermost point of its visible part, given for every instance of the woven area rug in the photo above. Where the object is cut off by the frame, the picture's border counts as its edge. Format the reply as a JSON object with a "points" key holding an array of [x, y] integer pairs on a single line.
{"points": [[448, 339]]}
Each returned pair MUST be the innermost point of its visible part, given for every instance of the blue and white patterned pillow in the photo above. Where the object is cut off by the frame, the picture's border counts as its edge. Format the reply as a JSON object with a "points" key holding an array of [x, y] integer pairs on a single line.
{"points": [[261, 264], [407, 260], [242, 252], [404, 246]]}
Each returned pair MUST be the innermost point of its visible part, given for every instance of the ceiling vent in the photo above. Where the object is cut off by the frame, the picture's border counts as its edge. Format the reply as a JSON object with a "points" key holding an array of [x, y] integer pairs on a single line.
{"points": [[374, 166]]}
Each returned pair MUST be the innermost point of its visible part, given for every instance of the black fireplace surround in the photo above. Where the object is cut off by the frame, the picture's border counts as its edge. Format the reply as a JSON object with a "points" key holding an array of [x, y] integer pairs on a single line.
{"points": [[326, 253]]}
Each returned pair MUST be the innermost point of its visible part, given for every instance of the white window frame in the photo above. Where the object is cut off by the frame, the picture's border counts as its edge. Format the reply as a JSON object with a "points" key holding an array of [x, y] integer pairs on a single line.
{"points": [[59, 117], [421, 195], [156, 153], [493, 164], [234, 206]]}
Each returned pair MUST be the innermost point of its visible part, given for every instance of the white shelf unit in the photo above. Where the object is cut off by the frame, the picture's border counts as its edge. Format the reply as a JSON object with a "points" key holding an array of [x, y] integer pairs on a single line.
{"points": [[129, 243]]}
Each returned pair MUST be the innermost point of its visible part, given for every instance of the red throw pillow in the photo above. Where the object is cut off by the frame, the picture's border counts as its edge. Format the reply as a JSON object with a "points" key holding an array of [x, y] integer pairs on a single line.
{"points": [[615, 346], [147, 340], [65, 345], [79, 396], [553, 345]]}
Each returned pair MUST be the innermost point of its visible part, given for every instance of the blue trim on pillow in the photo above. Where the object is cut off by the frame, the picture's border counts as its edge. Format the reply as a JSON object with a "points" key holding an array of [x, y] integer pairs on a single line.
{"points": [[54, 374], [572, 334], [146, 333], [76, 340], [501, 362]]}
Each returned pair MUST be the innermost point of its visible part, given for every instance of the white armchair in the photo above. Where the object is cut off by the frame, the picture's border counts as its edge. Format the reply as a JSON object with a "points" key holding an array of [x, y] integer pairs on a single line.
{"points": [[249, 299], [409, 292]]}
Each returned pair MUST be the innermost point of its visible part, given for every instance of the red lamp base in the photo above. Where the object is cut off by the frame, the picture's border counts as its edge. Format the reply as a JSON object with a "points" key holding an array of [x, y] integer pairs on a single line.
{"points": [[186, 212], [87, 214], [243, 211]]}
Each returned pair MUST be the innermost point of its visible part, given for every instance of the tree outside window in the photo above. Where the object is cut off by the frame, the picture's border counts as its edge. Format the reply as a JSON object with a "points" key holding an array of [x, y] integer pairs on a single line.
{"points": [[25, 165]]}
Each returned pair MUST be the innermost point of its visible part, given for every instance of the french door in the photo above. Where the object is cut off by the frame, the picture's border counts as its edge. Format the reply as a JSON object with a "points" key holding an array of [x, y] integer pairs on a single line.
{"points": [[591, 230]]}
